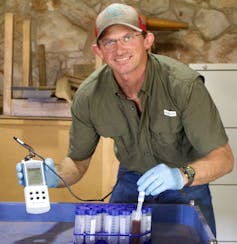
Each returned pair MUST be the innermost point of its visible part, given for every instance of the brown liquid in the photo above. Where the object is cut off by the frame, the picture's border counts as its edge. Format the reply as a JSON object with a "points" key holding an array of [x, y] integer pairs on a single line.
{"points": [[136, 226]]}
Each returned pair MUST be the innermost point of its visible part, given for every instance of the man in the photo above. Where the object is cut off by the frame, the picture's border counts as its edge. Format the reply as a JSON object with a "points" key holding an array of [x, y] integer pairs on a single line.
{"points": [[168, 134]]}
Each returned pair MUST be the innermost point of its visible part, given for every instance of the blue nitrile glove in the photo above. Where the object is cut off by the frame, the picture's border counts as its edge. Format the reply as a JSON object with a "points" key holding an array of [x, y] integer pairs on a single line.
{"points": [[50, 177], [159, 179]]}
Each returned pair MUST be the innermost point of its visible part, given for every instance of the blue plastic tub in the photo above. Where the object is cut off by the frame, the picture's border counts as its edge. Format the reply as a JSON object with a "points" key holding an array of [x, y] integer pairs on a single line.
{"points": [[171, 223]]}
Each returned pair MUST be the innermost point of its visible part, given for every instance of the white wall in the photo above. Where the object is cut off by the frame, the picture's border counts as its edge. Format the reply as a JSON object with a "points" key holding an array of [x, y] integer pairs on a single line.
{"points": [[221, 81]]}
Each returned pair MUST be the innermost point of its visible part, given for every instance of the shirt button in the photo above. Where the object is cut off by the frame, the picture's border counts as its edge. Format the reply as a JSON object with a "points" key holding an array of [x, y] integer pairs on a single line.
{"points": [[132, 107]]}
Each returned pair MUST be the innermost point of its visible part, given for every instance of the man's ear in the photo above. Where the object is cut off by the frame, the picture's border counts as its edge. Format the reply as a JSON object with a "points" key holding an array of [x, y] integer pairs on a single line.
{"points": [[96, 50], [149, 40]]}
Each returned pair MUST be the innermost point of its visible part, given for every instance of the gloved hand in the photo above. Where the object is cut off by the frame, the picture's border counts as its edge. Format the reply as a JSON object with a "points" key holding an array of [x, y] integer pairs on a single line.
{"points": [[159, 179], [50, 177]]}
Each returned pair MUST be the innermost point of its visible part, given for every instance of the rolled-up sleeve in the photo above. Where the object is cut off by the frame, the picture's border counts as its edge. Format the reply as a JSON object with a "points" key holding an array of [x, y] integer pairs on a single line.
{"points": [[201, 120], [83, 138]]}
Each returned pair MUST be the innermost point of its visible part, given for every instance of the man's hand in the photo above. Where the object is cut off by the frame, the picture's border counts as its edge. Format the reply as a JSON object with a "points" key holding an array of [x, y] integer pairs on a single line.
{"points": [[159, 179], [50, 177]]}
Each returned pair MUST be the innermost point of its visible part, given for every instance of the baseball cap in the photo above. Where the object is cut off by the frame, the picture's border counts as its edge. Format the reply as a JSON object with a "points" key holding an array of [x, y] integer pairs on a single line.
{"points": [[118, 13]]}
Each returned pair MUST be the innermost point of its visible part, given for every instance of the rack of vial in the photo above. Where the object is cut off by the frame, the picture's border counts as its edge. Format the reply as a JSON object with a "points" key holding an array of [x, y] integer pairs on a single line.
{"points": [[111, 224]]}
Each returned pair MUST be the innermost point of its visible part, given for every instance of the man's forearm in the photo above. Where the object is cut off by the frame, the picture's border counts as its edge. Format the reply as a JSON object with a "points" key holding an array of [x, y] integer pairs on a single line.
{"points": [[217, 163], [71, 170]]}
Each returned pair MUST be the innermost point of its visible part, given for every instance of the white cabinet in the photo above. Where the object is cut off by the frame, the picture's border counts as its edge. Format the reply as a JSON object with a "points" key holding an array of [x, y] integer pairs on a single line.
{"points": [[221, 81], [225, 211]]}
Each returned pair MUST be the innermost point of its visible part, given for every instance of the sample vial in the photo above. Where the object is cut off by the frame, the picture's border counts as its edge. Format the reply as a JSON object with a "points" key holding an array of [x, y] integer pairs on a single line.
{"points": [[105, 220], [124, 225], [113, 225], [99, 216], [79, 227], [125, 221], [146, 219], [90, 225], [80, 221], [113, 221], [136, 231], [146, 224]]}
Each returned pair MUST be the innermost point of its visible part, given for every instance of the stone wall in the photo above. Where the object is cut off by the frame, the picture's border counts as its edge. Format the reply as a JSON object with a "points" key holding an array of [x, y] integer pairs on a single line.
{"points": [[66, 28]]}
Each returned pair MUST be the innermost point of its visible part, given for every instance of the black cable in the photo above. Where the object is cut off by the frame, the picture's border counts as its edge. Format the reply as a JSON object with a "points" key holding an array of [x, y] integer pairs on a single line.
{"points": [[70, 190], [33, 154]]}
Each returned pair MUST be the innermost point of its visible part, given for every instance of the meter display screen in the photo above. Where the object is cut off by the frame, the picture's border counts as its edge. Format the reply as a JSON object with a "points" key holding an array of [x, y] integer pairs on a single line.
{"points": [[35, 176]]}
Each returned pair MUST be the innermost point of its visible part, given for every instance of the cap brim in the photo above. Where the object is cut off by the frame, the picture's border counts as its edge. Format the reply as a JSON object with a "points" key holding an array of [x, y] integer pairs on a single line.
{"points": [[118, 23]]}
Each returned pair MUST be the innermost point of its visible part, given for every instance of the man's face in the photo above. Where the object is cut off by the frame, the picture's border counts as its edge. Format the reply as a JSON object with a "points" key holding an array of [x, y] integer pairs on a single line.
{"points": [[123, 49]]}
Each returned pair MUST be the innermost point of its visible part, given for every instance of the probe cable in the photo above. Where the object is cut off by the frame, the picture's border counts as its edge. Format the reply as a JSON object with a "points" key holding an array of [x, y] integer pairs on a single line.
{"points": [[33, 154]]}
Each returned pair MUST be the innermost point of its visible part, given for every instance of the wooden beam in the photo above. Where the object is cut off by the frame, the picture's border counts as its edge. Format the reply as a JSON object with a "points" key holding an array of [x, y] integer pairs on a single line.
{"points": [[41, 65], [26, 53], [8, 63], [153, 23], [25, 107]]}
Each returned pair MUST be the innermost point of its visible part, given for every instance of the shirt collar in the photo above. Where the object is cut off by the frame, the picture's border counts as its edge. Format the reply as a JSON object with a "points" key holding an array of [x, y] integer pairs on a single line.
{"points": [[115, 87], [147, 84]]}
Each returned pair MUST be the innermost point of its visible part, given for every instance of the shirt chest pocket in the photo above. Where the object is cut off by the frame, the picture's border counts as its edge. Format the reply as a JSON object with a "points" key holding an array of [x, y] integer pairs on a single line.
{"points": [[166, 133], [169, 141]]}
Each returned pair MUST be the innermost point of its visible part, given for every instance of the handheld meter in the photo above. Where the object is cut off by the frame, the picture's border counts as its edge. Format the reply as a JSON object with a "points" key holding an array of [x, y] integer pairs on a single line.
{"points": [[36, 190]]}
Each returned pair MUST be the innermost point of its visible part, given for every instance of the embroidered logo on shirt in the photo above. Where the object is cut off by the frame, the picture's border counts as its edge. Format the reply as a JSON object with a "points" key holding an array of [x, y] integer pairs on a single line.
{"points": [[170, 113]]}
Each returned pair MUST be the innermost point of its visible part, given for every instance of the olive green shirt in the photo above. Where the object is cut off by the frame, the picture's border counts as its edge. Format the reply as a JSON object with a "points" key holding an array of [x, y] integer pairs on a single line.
{"points": [[178, 124]]}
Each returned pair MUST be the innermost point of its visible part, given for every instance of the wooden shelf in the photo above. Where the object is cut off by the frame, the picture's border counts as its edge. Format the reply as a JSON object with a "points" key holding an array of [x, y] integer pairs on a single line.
{"points": [[24, 107]]}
